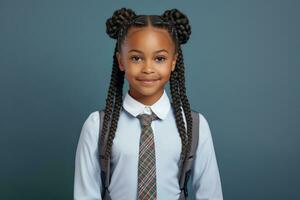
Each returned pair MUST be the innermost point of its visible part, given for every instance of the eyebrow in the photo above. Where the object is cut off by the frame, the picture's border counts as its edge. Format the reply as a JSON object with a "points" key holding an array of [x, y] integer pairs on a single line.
{"points": [[161, 50]]}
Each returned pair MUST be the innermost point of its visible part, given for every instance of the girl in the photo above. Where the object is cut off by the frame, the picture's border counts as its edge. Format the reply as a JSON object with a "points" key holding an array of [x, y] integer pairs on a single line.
{"points": [[148, 53]]}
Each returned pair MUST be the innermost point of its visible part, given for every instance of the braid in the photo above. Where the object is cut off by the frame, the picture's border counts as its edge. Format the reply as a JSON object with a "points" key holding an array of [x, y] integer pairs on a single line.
{"points": [[178, 112], [116, 112], [184, 99], [183, 30], [113, 100], [109, 103]]}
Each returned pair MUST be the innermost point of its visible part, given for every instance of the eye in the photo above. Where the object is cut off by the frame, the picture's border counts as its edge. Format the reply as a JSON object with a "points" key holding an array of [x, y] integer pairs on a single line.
{"points": [[135, 58], [160, 58]]}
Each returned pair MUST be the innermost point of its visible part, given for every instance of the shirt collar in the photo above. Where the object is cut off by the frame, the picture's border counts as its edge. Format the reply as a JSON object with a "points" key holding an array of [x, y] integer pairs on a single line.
{"points": [[161, 107]]}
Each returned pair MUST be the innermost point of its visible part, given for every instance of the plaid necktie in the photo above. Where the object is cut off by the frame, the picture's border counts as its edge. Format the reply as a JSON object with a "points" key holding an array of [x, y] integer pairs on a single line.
{"points": [[146, 168]]}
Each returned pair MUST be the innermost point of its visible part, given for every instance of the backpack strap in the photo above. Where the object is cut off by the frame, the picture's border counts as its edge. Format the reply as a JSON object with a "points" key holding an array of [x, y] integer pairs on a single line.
{"points": [[187, 164], [105, 168]]}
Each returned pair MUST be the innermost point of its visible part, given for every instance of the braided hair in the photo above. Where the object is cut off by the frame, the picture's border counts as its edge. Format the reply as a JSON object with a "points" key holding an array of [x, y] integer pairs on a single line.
{"points": [[117, 26]]}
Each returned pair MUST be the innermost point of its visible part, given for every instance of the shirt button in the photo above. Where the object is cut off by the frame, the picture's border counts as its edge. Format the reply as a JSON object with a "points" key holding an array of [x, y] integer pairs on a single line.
{"points": [[147, 109]]}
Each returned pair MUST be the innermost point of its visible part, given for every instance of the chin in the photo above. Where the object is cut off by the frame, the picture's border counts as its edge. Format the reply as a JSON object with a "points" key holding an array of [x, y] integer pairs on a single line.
{"points": [[148, 91]]}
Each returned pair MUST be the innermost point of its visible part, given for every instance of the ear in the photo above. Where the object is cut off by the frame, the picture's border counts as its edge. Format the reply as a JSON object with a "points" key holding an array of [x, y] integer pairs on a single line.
{"points": [[121, 66], [174, 61]]}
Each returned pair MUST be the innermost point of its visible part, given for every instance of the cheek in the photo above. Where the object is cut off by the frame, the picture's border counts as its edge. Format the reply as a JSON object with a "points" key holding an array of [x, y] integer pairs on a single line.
{"points": [[131, 72], [165, 70]]}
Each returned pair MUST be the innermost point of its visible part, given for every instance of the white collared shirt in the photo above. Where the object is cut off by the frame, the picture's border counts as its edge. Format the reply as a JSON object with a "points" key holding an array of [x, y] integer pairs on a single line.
{"points": [[205, 176]]}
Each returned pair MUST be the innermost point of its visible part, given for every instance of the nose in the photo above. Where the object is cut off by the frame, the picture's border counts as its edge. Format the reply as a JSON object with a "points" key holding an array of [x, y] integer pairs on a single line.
{"points": [[147, 67]]}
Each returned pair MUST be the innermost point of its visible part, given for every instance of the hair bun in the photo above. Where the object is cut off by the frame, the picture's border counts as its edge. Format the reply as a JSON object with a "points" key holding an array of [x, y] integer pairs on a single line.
{"points": [[119, 18], [181, 23]]}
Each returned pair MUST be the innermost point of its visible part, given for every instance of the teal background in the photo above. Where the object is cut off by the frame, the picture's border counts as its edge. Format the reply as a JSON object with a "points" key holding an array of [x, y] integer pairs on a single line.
{"points": [[242, 71]]}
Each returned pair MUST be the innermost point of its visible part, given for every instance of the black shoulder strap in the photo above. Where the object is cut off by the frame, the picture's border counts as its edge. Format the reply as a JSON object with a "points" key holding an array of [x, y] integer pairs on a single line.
{"points": [[105, 168], [187, 165]]}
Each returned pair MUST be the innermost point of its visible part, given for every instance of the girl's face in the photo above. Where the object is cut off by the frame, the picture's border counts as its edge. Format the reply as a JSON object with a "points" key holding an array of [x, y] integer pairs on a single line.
{"points": [[147, 57]]}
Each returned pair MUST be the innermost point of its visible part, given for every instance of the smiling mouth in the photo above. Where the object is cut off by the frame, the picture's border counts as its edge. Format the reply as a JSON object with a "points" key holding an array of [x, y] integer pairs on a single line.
{"points": [[148, 82]]}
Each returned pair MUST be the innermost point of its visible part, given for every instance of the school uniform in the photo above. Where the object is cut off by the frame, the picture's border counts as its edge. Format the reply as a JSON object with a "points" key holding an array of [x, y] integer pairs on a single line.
{"points": [[125, 153]]}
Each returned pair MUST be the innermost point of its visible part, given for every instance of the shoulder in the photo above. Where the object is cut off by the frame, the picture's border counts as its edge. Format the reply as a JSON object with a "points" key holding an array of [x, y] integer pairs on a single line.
{"points": [[90, 127], [202, 117], [204, 127], [92, 119]]}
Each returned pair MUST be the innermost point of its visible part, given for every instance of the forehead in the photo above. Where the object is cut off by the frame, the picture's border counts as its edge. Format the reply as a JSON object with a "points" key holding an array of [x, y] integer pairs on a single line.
{"points": [[148, 38]]}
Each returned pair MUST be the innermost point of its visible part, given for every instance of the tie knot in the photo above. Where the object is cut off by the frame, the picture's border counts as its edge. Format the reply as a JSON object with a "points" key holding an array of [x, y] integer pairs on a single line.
{"points": [[146, 119]]}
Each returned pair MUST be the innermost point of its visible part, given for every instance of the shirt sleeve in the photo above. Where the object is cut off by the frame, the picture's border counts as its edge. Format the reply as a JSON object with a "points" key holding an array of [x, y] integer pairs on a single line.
{"points": [[205, 175], [87, 181]]}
